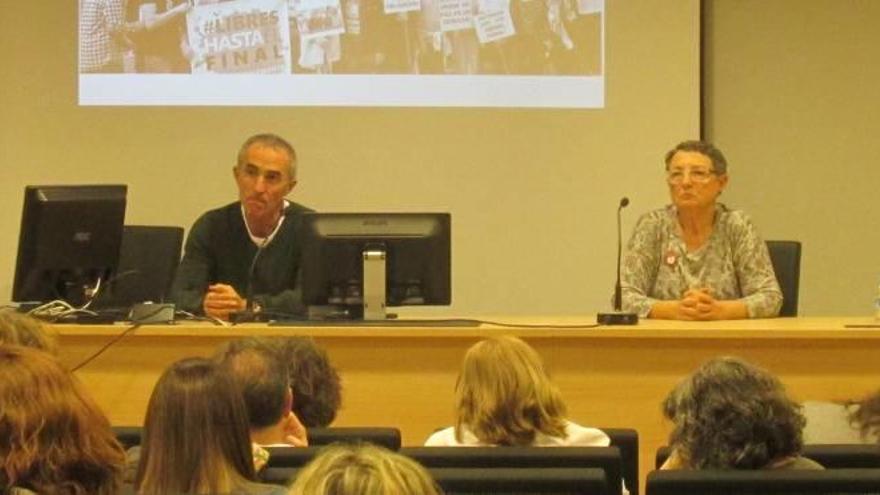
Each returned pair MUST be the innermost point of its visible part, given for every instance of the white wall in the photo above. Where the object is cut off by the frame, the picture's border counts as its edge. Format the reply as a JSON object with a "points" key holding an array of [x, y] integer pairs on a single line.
{"points": [[793, 96]]}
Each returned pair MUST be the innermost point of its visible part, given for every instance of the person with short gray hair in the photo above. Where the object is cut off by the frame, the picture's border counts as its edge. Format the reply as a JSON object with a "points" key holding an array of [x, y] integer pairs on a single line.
{"points": [[697, 259], [220, 269]]}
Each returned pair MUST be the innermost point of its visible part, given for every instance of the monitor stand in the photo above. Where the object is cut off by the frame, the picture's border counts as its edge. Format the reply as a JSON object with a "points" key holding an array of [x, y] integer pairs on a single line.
{"points": [[374, 284]]}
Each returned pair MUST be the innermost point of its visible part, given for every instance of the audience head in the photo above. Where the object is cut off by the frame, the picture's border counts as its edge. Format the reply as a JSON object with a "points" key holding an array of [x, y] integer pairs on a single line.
{"points": [[344, 469], [19, 329], [867, 417], [730, 414], [53, 437], [315, 383], [504, 396], [195, 436], [262, 376]]}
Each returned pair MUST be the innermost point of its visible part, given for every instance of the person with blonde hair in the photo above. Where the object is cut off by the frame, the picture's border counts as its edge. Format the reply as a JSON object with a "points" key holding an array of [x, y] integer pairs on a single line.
{"points": [[53, 438], [20, 329], [504, 397], [195, 438], [347, 469]]}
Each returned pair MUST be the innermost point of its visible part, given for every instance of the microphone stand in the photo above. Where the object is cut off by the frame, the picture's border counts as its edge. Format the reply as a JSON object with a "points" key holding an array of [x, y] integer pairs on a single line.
{"points": [[618, 316], [249, 315]]}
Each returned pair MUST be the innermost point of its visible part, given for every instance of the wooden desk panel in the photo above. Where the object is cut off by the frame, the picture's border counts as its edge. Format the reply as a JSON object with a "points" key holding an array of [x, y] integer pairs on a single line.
{"points": [[404, 376]]}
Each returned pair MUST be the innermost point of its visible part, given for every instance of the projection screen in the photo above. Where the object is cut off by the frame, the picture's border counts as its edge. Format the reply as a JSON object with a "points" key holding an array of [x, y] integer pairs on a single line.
{"points": [[489, 53]]}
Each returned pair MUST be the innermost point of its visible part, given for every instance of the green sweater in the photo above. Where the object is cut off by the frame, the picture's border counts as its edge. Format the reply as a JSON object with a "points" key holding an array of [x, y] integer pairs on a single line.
{"points": [[219, 250]]}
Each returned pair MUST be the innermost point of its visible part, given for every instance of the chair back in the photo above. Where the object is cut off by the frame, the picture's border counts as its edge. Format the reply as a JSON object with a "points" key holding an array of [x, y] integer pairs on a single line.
{"points": [[148, 259], [830, 456], [381, 436], [786, 259], [489, 458], [627, 440], [521, 481], [763, 482], [128, 436], [838, 456]]}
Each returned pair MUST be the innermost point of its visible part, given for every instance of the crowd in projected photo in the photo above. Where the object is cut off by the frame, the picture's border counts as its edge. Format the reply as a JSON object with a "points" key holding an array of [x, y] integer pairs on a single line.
{"points": [[518, 37]]}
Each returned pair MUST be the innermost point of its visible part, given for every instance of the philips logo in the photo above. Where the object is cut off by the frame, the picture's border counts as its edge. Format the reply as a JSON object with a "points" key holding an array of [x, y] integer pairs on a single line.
{"points": [[82, 236], [375, 221]]}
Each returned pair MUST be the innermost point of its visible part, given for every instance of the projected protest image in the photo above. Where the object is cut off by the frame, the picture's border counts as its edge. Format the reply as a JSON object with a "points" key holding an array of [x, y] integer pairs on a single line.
{"points": [[437, 37]]}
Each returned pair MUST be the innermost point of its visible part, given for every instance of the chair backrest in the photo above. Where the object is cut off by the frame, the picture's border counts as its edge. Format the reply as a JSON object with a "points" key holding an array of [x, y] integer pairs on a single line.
{"points": [[148, 259], [838, 456], [128, 436], [278, 475], [763, 482], [606, 458], [523, 481], [532, 481], [382, 436], [786, 259], [831, 456], [627, 440]]}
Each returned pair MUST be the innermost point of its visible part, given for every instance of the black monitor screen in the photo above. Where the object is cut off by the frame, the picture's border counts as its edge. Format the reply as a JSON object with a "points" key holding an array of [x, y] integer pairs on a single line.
{"points": [[415, 252], [69, 241]]}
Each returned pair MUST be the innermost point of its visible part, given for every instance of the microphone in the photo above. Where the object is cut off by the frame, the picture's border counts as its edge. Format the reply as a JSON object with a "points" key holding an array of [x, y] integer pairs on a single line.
{"points": [[248, 314], [618, 317]]}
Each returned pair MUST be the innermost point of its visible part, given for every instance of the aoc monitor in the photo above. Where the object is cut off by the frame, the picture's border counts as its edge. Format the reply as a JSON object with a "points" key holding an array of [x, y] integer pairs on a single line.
{"points": [[69, 241], [358, 264]]}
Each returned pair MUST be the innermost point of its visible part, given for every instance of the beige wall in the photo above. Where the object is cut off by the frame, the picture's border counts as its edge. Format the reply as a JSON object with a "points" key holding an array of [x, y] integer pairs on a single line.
{"points": [[532, 192], [793, 98]]}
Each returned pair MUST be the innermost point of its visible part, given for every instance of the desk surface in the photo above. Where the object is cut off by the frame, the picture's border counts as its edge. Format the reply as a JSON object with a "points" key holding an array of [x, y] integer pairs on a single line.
{"points": [[403, 375]]}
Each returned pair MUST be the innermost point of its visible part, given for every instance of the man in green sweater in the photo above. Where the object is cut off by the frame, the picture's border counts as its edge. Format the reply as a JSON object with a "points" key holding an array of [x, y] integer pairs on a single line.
{"points": [[257, 234]]}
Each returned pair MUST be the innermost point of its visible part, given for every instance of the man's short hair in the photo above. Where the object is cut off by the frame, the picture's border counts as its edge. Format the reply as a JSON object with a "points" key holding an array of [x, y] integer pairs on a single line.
{"points": [[271, 141], [262, 377], [719, 163]]}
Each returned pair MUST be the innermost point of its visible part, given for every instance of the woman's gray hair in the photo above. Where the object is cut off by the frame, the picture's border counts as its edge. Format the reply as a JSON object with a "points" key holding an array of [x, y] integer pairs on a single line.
{"points": [[730, 414], [719, 163]]}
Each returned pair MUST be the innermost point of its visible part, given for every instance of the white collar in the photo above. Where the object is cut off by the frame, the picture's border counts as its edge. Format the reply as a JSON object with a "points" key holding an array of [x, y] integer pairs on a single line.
{"points": [[263, 241]]}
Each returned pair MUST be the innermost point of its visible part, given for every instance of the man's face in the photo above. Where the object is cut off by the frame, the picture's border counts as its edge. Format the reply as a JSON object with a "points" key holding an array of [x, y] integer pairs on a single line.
{"points": [[263, 180], [692, 180]]}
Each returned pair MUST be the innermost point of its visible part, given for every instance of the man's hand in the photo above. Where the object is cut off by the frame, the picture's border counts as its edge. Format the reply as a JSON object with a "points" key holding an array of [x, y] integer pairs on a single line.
{"points": [[220, 300], [294, 432]]}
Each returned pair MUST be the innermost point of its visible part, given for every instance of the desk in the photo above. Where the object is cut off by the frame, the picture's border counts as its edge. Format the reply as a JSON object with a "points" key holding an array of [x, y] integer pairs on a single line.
{"points": [[404, 375]]}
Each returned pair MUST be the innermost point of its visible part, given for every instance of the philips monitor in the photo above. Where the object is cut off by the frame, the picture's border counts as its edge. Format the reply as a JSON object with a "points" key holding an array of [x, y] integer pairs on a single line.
{"points": [[357, 264], [69, 242]]}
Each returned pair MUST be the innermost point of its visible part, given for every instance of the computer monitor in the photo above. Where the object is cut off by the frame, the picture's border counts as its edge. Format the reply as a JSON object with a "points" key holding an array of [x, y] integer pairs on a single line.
{"points": [[69, 241], [360, 263]]}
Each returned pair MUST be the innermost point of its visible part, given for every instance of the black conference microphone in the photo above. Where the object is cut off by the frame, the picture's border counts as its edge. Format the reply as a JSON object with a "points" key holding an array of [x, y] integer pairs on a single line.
{"points": [[249, 314], [618, 317]]}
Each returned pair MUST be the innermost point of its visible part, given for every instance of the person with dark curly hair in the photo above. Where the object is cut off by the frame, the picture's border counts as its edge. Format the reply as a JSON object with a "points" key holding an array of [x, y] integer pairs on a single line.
{"points": [[849, 421], [867, 417], [317, 391], [730, 414], [53, 437]]}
